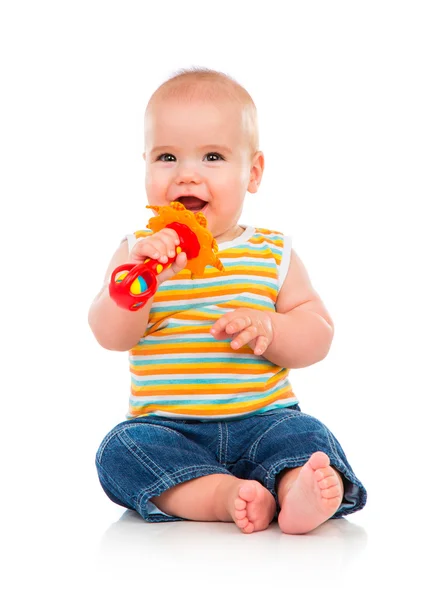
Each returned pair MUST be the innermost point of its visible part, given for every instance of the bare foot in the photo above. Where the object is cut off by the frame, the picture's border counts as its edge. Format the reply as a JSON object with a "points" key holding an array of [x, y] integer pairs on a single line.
{"points": [[251, 506], [313, 496]]}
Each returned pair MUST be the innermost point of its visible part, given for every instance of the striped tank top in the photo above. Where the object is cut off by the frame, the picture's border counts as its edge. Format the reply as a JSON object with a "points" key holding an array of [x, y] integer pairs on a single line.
{"points": [[178, 369]]}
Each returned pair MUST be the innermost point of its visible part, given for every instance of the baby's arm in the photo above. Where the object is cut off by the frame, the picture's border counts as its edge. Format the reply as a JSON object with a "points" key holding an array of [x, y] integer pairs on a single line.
{"points": [[302, 327], [116, 328]]}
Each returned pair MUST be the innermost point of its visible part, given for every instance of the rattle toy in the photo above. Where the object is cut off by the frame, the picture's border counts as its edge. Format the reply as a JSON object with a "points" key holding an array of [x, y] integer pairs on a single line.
{"points": [[132, 285]]}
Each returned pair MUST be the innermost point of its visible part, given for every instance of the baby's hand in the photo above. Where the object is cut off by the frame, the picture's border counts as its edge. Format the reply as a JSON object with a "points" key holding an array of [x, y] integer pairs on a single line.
{"points": [[160, 246], [254, 327]]}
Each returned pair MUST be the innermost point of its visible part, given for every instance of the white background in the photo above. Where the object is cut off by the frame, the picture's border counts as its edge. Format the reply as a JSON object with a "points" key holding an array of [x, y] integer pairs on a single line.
{"points": [[340, 92]]}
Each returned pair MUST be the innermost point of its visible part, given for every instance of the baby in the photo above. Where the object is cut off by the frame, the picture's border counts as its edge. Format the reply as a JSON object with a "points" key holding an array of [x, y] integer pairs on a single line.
{"points": [[214, 431]]}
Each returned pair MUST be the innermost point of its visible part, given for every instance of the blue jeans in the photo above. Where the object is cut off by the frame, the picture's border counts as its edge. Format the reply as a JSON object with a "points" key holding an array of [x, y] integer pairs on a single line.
{"points": [[142, 458]]}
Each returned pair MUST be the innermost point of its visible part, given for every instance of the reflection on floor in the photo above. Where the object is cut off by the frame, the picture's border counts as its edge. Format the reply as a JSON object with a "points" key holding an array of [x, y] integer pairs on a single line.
{"points": [[218, 553]]}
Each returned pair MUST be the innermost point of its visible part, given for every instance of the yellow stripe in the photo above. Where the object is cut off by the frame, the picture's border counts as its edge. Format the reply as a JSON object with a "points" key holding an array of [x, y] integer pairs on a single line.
{"points": [[225, 409], [246, 304], [261, 271], [167, 389], [200, 315], [238, 288], [215, 368], [252, 255], [196, 314], [201, 347], [194, 329], [249, 252]]}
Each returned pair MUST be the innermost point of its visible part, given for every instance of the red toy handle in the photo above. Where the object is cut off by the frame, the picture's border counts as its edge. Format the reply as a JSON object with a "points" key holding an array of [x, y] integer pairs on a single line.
{"points": [[145, 273]]}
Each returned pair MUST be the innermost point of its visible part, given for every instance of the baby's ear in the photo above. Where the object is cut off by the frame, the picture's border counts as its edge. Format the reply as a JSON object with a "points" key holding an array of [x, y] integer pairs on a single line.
{"points": [[256, 173]]}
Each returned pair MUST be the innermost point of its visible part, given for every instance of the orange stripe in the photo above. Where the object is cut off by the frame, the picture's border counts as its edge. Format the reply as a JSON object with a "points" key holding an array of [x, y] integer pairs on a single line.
{"points": [[216, 369], [261, 239], [268, 272], [182, 330], [250, 255], [164, 388], [175, 295], [267, 231], [160, 316], [238, 303], [210, 411], [248, 252], [193, 315], [200, 347], [222, 388], [199, 315]]}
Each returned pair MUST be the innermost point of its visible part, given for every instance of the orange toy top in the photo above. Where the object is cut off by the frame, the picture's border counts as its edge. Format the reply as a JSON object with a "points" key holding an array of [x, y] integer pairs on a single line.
{"points": [[177, 213], [131, 285]]}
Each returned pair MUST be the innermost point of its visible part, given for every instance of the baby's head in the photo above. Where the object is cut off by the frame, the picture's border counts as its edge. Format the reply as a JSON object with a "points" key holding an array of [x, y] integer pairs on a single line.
{"points": [[201, 147]]}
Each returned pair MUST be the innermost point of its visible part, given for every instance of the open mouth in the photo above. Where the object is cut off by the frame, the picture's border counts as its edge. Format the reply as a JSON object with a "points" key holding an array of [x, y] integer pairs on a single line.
{"points": [[192, 203]]}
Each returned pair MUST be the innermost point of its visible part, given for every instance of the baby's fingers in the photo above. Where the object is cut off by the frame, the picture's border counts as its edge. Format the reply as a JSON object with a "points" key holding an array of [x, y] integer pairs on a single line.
{"points": [[243, 338], [238, 324], [219, 326], [174, 268], [262, 343], [155, 250]]}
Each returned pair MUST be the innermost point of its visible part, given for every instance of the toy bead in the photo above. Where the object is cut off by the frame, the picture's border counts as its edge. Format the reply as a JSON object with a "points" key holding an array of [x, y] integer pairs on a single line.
{"points": [[132, 285]]}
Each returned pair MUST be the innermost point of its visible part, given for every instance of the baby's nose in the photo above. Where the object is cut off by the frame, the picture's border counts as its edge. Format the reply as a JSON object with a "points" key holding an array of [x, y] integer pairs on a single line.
{"points": [[188, 173]]}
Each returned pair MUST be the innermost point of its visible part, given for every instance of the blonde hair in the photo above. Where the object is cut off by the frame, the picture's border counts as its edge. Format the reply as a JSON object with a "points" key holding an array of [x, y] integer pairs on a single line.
{"points": [[209, 85]]}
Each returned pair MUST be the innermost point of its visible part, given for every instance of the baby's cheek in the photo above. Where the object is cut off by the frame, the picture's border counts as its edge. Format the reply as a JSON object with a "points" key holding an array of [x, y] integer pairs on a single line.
{"points": [[156, 182]]}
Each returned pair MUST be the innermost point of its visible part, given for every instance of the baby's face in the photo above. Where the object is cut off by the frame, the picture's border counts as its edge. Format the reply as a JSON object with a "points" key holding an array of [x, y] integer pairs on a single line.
{"points": [[198, 153]]}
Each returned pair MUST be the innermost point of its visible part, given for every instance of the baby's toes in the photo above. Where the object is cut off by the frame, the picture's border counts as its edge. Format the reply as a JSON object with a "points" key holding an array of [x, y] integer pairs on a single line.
{"points": [[327, 482], [240, 504], [331, 492], [242, 523], [249, 528], [240, 514], [324, 473]]}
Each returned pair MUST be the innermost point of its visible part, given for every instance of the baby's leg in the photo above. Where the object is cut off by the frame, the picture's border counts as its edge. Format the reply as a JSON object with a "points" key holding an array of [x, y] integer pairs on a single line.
{"points": [[302, 461], [220, 497]]}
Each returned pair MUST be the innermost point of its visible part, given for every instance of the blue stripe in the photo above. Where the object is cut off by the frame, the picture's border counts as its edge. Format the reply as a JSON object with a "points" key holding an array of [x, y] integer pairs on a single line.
{"points": [[202, 360], [197, 360], [269, 262], [180, 308], [159, 342], [182, 324], [177, 285], [232, 400], [255, 236], [253, 247], [169, 307], [160, 383]]}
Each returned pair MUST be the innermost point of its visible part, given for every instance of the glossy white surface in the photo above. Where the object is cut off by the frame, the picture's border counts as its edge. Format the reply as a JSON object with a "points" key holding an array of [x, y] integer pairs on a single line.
{"points": [[94, 549]]}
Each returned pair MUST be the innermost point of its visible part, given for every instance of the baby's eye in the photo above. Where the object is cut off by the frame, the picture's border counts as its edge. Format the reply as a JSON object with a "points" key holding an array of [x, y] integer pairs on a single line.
{"points": [[166, 157], [213, 156]]}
